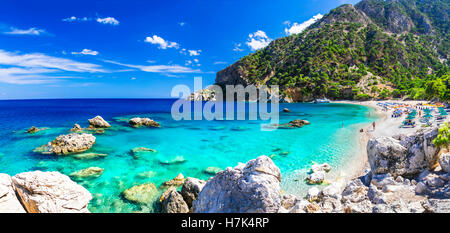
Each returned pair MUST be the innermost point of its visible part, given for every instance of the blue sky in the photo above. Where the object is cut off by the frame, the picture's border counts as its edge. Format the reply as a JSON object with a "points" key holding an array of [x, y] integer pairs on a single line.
{"points": [[135, 49]]}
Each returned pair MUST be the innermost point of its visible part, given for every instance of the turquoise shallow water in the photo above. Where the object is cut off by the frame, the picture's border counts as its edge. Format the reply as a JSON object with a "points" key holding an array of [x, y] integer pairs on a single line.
{"points": [[201, 143]]}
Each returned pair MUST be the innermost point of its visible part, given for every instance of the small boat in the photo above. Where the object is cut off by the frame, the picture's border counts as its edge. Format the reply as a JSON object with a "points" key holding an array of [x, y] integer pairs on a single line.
{"points": [[321, 101]]}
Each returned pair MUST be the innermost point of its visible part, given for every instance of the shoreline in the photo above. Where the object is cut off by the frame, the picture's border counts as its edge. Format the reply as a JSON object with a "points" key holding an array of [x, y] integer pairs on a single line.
{"points": [[385, 126]]}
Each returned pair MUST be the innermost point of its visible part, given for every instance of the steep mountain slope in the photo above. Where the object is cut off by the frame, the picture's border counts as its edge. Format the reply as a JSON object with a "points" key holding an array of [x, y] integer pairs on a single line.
{"points": [[373, 49]]}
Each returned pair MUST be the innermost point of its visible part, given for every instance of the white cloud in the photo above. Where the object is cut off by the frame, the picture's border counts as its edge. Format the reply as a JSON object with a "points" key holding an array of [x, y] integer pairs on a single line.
{"points": [[73, 18], [87, 52], [182, 24], [163, 44], [297, 28], [164, 69], [220, 63], [108, 20], [133, 78], [237, 47], [31, 31], [194, 52], [38, 60], [258, 40]]}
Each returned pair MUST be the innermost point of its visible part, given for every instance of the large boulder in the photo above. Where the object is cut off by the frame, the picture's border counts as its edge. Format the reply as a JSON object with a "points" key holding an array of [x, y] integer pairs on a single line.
{"points": [[191, 188], [403, 155], [98, 122], [68, 143], [50, 192], [8, 199], [172, 202], [250, 188], [137, 122]]}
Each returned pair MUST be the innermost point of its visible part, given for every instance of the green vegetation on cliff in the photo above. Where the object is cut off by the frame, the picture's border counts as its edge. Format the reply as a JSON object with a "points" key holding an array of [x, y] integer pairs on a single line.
{"points": [[376, 49]]}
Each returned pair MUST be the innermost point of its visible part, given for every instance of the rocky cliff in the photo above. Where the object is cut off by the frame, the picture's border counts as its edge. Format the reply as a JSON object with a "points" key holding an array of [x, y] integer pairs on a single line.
{"points": [[375, 45]]}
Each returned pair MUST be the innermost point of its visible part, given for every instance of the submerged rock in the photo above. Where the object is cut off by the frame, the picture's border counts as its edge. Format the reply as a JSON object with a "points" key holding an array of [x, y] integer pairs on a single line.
{"points": [[147, 174], [172, 202], [135, 151], [212, 170], [69, 143], [142, 149], [50, 192], [137, 122], [141, 194], [191, 188], [178, 159], [98, 122], [89, 155], [250, 188], [88, 172], [403, 155], [8, 199]]}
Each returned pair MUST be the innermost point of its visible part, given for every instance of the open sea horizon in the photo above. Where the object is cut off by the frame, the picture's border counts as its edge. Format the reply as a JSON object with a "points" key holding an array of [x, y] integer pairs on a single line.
{"points": [[186, 146]]}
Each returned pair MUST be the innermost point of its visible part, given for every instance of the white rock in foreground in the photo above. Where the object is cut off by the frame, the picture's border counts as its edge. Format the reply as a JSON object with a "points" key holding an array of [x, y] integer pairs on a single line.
{"points": [[8, 199], [50, 192], [250, 188]]}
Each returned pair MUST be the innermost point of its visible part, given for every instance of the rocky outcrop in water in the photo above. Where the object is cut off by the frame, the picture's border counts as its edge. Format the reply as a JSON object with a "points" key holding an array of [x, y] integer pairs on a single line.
{"points": [[98, 122], [253, 187], [403, 155], [138, 122], [292, 124], [34, 129], [76, 128], [42, 192], [68, 143]]}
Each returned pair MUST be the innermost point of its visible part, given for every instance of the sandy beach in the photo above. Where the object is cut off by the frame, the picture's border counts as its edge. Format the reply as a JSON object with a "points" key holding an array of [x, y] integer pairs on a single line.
{"points": [[384, 126]]}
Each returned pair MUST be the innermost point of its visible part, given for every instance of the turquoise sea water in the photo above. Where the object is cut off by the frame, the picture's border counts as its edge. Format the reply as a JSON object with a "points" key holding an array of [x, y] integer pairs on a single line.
{"points": [[202, 144]]}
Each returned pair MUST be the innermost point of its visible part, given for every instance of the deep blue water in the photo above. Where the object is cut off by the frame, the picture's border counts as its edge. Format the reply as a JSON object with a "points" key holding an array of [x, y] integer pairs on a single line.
{"points": [[201, 144]]}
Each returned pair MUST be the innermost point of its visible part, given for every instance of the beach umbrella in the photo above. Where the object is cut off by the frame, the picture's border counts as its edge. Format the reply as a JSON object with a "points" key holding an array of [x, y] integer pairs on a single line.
{"points": [[428, 116], [410, 117]]}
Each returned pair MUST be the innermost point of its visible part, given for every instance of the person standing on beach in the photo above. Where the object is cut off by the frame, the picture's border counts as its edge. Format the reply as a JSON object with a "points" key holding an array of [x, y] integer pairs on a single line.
{"points": [[373, 125]]}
